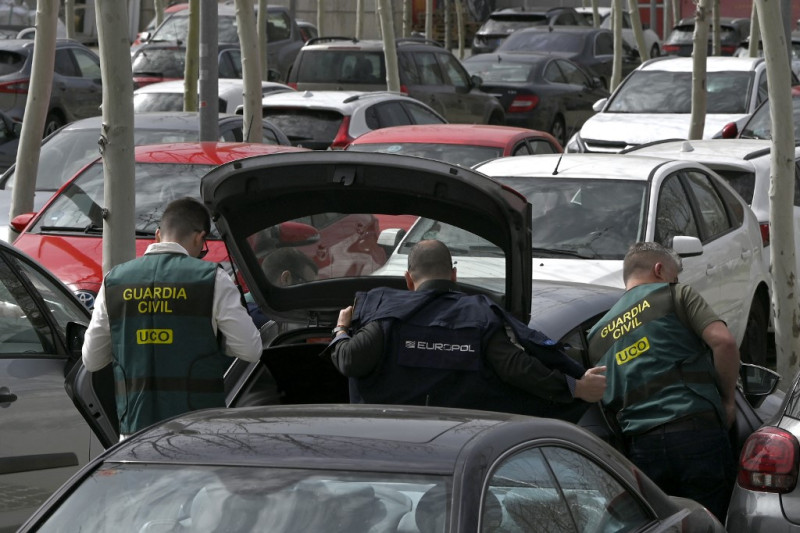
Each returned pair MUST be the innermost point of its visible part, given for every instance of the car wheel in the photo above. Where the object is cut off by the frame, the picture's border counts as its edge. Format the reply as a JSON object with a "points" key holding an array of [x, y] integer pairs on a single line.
{"points": [[754, 343], [655, 51], [52, 123], [559, 130]]}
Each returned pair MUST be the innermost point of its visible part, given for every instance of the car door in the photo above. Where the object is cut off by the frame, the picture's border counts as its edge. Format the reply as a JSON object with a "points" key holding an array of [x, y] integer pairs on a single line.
{"points": [[470, 106], [44, 438], [76, 83], [431, 87], [577, 91]]}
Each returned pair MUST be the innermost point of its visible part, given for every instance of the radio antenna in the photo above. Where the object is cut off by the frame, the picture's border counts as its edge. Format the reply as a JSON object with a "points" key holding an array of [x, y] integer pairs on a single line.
{"points": [[555, 170]]}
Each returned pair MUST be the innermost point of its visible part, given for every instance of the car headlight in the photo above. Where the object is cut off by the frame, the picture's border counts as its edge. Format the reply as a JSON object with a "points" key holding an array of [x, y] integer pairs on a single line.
{"points": [[575, 144]]}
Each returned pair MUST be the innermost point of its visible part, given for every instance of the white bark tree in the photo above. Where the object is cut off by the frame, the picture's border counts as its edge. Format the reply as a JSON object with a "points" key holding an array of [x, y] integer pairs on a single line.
{"points": [[595, 15], [389, 45], [429, 19], [119, 238], [716, 45], [446, 18], [36, 107], [781, 193], [262, 34], [321, 16], [460, 25], [616, 25], [755, 33], [676, 11], [191, 69], [69, 18], [159, 6], [359, 19], [699, 54], [251, 70], [407, 23], [636, 23]]}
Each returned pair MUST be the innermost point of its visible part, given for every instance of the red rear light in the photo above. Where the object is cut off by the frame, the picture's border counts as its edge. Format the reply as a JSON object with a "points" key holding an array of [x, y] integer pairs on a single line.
{"points": [[727, 50], [522, 103], [769, 461], [764, 227], [342, 138], [403, 90], [292, 84], [16, 86], [670, 48]]}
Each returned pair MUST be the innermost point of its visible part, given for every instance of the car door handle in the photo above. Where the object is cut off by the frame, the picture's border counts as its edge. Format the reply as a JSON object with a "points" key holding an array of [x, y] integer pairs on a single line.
{"points": [[6, 396], [711, 270], [746, 254]]}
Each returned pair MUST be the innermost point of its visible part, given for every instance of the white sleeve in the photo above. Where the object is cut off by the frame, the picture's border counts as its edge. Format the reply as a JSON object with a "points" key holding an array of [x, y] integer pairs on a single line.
{"points": [[96, 350], [240, 336]]}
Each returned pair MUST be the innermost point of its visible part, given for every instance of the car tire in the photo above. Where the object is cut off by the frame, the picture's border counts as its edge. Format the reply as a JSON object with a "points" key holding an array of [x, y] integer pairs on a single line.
{"points": [[755, 342], [52, 123], [559, 130]]}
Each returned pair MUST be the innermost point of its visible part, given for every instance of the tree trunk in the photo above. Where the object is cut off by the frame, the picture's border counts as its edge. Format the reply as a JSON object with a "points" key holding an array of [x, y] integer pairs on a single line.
{"points": [[262, 34], [447, 36], [716, 46], [36, 108], [460, 24], [616, 24], [407, 22], [208, 83], [699, 54], [119, 238], [191, 69], [320, 16], [636, 22], [158, 5], [781, 194], [429, 19], [665, 19], [69, 18], [251, 71], [389, 46], [676, 12], [755, 33], [359, 19], [595, 15]]}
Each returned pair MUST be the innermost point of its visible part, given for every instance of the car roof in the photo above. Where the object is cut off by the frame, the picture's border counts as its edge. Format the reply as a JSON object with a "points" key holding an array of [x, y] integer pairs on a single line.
{"points": [[347, 437], [707, 149], [157, 120], [478, 134], [370, 45], [206, 153], [592, 166], [563, 29], [223, 85], [521, 56], [714, 64], [341, 100]]}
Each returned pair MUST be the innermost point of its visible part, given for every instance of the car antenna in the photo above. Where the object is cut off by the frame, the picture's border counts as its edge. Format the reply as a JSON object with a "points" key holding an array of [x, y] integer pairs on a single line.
{"points": [[555, 170]]}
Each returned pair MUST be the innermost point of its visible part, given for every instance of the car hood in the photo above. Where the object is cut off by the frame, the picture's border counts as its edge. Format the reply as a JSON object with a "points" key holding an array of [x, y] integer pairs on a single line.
{"points": [[635, 128], [599, 272], [276, 191]]}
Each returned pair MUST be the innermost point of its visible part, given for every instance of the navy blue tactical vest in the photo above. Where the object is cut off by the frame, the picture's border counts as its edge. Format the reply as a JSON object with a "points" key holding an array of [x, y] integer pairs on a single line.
{"points": [[167, 359]]}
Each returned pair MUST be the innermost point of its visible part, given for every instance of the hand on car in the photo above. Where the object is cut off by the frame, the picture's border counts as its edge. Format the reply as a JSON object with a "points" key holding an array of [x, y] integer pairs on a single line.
{"points": [[345, 317], [592, 385]]}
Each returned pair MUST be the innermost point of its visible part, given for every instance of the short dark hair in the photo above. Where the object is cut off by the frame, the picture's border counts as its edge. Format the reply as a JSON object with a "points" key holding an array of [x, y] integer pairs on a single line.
{"points": [[641, 256], [290, 259], [184, 216], [430, 259]]}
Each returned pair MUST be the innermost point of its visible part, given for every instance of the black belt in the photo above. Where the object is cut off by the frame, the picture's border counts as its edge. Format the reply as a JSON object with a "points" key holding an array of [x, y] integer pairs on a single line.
{"points": [[702, 420]]}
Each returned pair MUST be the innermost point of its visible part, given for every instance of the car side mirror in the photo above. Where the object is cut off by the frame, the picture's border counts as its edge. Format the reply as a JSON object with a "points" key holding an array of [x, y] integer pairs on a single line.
{"points": [[595, 83], [20, 222], [730, 131], [476, 80], [686, 246], [273, 75], [757, 383], [599, 105], [144, 36], [76, 331]]}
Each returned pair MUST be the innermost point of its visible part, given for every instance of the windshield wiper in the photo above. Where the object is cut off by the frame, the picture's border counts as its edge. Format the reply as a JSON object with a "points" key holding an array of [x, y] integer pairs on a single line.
{"points": [[89, 228], [560, 251]]}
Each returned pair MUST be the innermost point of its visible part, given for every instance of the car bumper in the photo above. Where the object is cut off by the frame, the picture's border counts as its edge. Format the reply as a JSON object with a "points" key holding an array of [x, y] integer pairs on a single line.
{"points": [[757, 511]]}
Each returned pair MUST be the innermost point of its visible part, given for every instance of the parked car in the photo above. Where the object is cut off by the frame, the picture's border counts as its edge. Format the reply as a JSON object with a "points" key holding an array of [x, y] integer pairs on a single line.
{"points": [[537, 90], [168, 95], [45, 438], [732, 31], [458, 144], [428, 73], [758, 125], [307, 30], [144, 35], [9, 141], [361, 468], [67, 150], [164, 61], [77, 89], [505, 21], [332, 119], [651, 38], [589, 208], [744, 51], [283, 35], [66, 236], [655, 102], [591, 48]]}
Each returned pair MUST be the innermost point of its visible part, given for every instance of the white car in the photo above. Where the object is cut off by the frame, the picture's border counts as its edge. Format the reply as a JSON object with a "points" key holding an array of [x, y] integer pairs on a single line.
{"points": [[651, 39], [654, 102], [333, 119], [168, 95], [744, 164], [589, 208]]}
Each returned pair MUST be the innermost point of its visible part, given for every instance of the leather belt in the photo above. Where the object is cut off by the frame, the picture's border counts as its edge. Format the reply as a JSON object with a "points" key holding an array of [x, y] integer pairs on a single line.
{"points": [[701, 420]]}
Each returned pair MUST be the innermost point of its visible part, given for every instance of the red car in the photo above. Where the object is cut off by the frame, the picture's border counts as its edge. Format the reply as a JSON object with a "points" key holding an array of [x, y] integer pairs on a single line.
{"points": [[66, 235], [459, 144]]}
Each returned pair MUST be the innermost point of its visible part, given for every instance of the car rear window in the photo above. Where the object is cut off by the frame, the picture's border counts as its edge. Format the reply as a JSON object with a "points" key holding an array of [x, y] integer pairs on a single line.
{"points": [[167, 61], [742, 182], [543, 40], [342, 66], [11, 61], [313, 126], [507, 24]]}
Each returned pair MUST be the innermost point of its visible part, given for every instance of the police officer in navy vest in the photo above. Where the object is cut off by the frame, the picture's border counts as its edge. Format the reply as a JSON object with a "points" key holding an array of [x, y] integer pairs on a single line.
{"points": [[435, 345], [167, 322], [672, 369]]}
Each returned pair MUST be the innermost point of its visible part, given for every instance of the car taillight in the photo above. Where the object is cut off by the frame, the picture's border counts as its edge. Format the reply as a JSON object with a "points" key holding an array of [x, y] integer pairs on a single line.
{"points": [[764, 227], [670, 48], [292, 84], [404, 90], [522, 103], [768, 462], [342, 138], [727, 50], [16, 86]]}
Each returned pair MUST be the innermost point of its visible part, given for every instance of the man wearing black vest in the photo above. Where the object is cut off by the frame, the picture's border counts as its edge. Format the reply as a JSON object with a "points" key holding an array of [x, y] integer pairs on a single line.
{"points": [[435, 345], [167, 321], [672, 366]]}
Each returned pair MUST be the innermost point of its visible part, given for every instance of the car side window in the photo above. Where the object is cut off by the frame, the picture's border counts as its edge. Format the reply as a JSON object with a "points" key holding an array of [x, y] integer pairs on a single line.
{"points": [[279, 27], [420, 114], [454, 71], [88, 66], [521, 149], [408, 69], [541, 146], [430, 73], [553, 74], [230, 64], [573, 74], [64, 64], [673, 215], [763, 92], [386, 114], [557, 489], [712, 207], [604, 44], [23, 327], [61, 304]]}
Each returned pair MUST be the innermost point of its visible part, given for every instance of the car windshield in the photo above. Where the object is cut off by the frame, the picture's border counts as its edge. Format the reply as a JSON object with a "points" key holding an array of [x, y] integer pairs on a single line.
{"points": [[583, 218], [565, 42], [666, 92], [176, 28], [760, 124], [465, 155], [310, 126], [507, 24], [342, 66], [500, 71], [78, 206], [140, 498], [685, 34], [167, 61]]}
